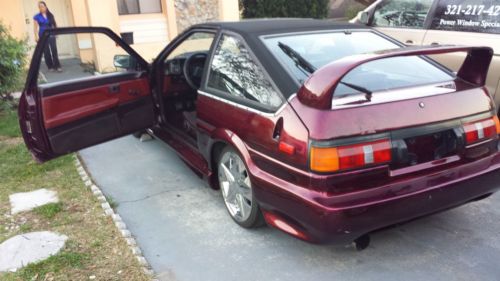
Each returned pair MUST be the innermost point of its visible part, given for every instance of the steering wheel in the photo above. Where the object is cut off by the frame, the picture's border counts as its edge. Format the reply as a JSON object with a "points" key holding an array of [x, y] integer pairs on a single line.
{"points": [[193, 72]]}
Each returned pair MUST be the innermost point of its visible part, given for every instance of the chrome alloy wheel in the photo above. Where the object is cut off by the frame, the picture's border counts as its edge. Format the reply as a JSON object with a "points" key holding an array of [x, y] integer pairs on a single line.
{"points": [[235, 186]]}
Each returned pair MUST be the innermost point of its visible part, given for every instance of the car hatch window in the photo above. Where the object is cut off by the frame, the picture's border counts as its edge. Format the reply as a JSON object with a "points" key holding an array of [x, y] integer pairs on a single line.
{"points": [[469, 15], [381, 75], [235, 72], [401, 13], [319, 49]]}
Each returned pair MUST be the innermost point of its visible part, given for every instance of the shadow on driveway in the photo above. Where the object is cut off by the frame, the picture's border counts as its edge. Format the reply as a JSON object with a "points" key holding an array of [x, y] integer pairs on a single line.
{"points": [[185, 233]]}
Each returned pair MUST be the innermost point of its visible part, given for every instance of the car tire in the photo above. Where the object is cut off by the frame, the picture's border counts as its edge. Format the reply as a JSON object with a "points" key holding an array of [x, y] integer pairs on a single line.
{"points": [[236, 189]]}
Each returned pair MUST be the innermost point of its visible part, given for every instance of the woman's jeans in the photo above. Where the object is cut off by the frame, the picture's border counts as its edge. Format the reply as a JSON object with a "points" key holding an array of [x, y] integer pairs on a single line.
{"points": [[50, 54]]}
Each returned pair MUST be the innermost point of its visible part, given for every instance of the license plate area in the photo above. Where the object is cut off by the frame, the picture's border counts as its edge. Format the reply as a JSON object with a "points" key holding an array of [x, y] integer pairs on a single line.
{"points": [[418, 149]]}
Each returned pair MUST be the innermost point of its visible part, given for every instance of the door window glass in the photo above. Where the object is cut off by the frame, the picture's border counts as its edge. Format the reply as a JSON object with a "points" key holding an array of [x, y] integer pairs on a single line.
{"points": [[194, 50], [83, 55], [235, 72], [401, 13], [196, 42], [468, 15]]}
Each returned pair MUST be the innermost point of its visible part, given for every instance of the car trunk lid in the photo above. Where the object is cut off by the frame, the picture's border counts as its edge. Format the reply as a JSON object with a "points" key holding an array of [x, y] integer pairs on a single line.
{"points": [[425, 125], [370, 119]]}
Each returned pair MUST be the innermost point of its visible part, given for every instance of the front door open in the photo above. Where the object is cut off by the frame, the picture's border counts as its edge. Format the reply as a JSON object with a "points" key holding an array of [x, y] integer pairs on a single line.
{"points": [[101, 95]]}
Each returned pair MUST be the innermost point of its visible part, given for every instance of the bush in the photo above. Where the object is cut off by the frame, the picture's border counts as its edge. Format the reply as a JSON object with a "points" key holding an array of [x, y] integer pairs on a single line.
{"points": [[353, 10], [285, 8], [12, 62]]}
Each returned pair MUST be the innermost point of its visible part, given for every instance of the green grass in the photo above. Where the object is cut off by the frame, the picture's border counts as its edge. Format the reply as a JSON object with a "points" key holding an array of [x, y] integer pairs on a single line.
{"points": [[9, 124], [25, 228], [112, 202], [94, 246], [54, 264], [48, 211]]}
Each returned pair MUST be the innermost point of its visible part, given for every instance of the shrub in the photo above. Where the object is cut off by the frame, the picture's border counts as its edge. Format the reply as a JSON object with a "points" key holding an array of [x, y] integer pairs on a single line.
{"points": [[285, 8], [12, 62], [353, 10]]}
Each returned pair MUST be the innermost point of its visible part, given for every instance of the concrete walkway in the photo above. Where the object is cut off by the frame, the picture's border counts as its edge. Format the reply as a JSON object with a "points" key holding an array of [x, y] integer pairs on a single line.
{"points": [[186, 234], [71, 69]]}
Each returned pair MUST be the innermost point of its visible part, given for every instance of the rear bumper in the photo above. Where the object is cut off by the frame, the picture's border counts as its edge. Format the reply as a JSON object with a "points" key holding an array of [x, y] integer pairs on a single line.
{"points": [[320, 217]]}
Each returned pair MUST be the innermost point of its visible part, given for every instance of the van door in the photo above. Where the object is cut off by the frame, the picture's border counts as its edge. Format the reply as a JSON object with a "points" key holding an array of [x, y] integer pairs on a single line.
{"points": [[472, 23], [73, 103], [402, 19]]}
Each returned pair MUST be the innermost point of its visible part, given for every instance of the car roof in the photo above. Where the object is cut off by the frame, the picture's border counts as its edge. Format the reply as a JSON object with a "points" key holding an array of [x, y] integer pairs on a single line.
{"points": [[265, 26], [252, 30]]}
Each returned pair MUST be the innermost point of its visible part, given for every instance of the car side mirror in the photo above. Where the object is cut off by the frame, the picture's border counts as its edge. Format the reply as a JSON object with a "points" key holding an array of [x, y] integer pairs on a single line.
{"points": [[363, 17], [124, 62]]}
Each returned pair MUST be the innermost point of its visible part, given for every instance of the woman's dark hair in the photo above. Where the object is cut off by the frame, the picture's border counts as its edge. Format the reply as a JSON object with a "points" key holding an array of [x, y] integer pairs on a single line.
{"points": [[50, 16]]}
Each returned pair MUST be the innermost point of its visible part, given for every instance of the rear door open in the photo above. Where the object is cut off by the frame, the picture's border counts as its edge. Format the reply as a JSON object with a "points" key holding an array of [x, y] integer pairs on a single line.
{"points": [[101, 93]]}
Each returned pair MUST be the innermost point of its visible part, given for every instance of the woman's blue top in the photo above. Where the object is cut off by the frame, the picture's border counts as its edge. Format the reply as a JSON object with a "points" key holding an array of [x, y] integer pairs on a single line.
{"points": [[43, 23]]}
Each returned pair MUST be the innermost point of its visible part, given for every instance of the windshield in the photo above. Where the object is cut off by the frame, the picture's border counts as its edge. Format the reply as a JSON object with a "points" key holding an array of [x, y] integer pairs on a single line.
{"points": [[319, 49]]}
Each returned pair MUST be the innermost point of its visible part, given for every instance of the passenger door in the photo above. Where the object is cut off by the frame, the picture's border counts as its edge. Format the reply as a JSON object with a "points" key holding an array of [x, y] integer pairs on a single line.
{"points": [[404, 20], [101, 94], [471, 23]]}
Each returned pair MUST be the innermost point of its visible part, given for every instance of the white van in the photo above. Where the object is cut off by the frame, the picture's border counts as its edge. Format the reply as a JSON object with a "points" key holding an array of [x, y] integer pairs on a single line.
{"points": [[441, 22]]}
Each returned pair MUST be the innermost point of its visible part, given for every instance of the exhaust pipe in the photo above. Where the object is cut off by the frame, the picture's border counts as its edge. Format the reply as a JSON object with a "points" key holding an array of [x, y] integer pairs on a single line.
{"points": [[362, 242]]}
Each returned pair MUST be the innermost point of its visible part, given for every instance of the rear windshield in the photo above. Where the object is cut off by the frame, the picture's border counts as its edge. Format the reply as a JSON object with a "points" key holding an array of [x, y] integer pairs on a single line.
{"points": [[467, 15], [319, 49]]}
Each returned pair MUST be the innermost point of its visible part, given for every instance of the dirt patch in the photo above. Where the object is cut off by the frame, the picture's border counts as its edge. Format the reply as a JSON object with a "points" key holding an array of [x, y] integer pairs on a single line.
{"points": [[8, 141]]}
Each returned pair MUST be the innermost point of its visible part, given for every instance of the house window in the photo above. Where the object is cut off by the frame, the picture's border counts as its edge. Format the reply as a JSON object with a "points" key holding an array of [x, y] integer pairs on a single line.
{"points": [[131, 7]]}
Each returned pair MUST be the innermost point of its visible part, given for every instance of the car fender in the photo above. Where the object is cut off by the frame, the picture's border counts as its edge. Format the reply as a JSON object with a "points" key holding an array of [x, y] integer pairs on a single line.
{"points": [[229, 138], [226, 137]]}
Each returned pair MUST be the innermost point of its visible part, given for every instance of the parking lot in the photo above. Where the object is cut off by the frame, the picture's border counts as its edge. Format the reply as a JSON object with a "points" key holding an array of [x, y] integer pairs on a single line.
{"points": [[185, 233]]}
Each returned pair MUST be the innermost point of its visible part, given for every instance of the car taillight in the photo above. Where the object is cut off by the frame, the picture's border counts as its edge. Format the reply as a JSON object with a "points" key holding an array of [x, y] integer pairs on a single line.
{"points": [[331, 159], [480, 130]]}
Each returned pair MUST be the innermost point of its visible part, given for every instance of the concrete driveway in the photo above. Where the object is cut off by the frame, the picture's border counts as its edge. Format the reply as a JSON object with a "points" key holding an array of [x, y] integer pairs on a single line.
{"points": [[185, 233]]}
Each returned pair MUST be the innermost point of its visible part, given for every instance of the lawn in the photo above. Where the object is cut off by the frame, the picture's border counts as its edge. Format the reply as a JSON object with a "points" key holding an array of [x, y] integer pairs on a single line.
{"points": [[94, 250]]}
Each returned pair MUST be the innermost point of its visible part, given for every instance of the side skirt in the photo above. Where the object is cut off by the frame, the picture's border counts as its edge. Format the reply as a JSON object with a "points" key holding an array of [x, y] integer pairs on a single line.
{"points": [[186, 152]]}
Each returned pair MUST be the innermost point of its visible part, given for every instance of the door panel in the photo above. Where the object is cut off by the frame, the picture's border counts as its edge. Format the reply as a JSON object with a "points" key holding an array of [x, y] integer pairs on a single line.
{"points": [[79, 102], [64, 111], [106, 125]]}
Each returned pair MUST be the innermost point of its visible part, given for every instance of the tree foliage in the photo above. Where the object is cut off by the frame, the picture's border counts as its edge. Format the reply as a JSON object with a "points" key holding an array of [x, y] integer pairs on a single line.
{"points": [[285, 8], [365, 2], [12, 62]]}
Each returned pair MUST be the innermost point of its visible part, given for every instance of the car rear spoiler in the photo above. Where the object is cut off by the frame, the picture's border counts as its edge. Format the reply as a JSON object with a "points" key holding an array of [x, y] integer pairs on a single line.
{"points": [[318, 90]]}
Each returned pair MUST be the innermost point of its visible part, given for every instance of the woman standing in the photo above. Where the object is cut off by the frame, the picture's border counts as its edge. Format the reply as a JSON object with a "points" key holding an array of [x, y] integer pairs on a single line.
{"points": [[42, 21]]}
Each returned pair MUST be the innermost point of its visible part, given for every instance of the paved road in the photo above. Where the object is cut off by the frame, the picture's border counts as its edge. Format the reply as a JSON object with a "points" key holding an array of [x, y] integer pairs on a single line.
{"points": [[185, 233]]}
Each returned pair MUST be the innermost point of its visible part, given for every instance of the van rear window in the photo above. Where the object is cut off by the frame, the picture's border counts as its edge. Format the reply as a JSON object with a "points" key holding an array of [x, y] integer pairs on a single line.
{"points": [[470, 15]]}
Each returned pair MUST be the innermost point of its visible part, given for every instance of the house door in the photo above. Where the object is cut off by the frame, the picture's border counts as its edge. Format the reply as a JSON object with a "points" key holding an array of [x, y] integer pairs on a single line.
{"points": [[67, 46]]}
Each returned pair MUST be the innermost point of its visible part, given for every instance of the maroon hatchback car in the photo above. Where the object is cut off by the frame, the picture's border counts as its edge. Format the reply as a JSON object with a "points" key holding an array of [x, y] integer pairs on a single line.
{"points": [[323, 130]]}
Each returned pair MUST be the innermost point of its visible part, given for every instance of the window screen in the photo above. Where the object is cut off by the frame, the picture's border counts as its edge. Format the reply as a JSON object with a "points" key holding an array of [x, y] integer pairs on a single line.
{"points": [[128, 7]]}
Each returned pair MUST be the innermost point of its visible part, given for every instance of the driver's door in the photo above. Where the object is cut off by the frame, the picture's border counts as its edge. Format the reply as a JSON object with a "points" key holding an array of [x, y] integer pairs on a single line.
{"points": [[70, 103]]}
